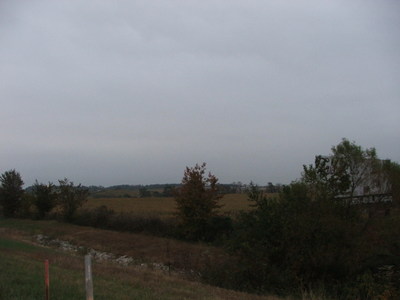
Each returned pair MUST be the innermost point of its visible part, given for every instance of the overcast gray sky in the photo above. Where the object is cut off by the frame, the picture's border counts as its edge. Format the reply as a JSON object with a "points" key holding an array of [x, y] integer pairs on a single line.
{"points": [[115, 92]]}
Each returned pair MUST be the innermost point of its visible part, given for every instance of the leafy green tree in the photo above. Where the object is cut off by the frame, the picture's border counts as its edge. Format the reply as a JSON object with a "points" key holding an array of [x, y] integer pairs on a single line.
{"points": [[45, 197], [341, 173], [70, 198], [358, 163], [197, 202], [326, 179], [11, 192]]}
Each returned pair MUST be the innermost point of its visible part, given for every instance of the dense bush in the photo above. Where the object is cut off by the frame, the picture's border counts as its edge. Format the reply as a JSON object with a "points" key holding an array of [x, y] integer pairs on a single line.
{"points": [[290, 241], [102, 217], [292, 244], [99, 217], [149, 225]]}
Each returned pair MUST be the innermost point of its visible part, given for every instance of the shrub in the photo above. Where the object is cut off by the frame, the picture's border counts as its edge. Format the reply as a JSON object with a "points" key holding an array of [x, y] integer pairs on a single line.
{"points": [[138, 224], [99, 217], [102, 217]]}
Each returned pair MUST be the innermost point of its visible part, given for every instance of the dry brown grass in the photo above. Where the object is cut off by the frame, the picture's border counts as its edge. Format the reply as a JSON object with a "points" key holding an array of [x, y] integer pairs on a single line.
{"points": [[163, 206], [178, 254]]}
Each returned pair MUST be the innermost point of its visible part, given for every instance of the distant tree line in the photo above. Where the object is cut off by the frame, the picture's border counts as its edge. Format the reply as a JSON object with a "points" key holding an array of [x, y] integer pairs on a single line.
{"points": [[167, 190], [16, 202]]}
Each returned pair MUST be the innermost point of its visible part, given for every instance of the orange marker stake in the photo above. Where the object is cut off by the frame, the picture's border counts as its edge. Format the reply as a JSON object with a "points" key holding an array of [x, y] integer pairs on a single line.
{"points": [[46, 279]]}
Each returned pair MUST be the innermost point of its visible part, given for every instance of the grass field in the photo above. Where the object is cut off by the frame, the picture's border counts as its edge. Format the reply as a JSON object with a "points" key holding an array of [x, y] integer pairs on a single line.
{"points": [[163, 206], [22, 277], [22, 270]]}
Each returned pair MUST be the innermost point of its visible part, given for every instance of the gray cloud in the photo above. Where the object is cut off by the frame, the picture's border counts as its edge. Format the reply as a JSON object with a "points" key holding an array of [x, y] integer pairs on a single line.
{"points": [[131, 92]]}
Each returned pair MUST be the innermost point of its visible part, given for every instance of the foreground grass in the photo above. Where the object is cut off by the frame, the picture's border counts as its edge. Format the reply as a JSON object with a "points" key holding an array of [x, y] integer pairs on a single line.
{"points": [[22, 270], [22, 278]]}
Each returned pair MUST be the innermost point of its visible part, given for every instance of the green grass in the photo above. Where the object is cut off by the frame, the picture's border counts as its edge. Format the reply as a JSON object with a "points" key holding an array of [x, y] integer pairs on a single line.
{"points": [[22, 273], [20, 279], [17, 224], [16, 245], [22, 276]]}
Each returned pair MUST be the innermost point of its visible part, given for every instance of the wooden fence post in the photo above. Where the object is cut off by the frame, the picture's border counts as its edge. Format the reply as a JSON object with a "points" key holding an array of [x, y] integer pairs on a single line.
{"points": [[88, 278], [46, 279]]}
